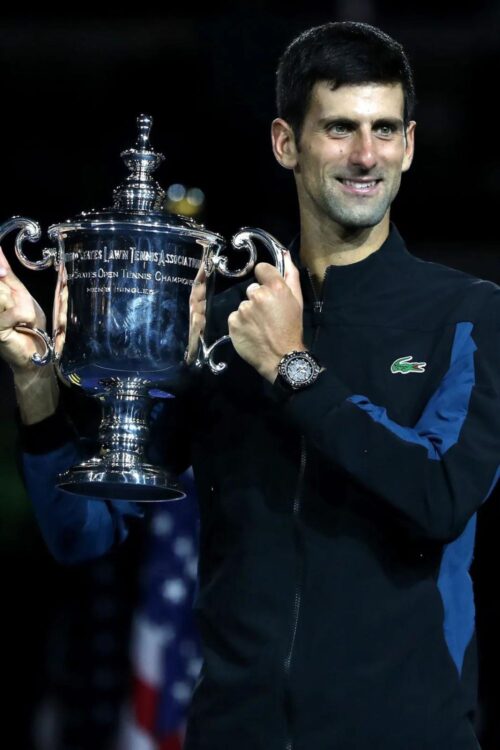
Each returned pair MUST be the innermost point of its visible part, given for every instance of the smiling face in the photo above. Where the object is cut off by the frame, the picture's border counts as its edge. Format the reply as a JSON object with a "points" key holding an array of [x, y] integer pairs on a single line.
{"points": [[352, 152]]}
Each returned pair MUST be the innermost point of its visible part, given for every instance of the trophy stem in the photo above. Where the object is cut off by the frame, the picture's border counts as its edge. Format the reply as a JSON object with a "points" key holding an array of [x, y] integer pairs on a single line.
{"points": [[124, 428], [120, 471]]}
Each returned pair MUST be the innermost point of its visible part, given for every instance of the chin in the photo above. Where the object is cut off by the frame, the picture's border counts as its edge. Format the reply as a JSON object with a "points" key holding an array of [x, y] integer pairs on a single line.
{"points": [[358, 219], [357, 222]]}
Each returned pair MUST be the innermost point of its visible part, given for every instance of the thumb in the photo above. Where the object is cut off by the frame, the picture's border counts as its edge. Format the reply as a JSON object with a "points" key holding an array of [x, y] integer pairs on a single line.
{"points": [[292, 277], [8, 275], [4, 265]]}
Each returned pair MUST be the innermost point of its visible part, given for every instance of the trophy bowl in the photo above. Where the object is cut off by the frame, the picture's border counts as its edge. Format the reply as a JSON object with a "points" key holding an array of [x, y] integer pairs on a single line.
{"points": [[121, 317]]}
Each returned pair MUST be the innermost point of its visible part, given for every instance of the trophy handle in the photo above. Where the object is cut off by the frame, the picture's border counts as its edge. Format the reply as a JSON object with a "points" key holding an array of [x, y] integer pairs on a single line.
{"points": [[48, 355], [207, 355], [242, 240], [30, 231]]}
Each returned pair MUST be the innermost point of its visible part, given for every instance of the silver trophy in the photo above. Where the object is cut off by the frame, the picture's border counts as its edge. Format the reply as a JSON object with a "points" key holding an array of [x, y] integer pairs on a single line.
{"points": [[121, 317]]}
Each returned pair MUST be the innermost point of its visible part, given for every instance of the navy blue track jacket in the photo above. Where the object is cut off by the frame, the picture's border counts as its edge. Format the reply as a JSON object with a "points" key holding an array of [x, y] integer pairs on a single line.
{"points": [[337, 527]]}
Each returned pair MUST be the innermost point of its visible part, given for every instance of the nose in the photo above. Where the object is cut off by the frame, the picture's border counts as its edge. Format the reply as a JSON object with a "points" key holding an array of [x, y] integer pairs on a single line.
{"points": [[363, 152]]}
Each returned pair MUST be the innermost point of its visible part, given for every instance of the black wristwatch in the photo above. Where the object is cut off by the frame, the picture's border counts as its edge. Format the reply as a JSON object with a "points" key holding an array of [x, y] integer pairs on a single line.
{"points": [[297, 370]]}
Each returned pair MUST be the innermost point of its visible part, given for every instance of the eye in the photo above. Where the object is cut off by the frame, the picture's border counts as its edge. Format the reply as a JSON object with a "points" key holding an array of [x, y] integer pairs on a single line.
{"points": [[338, 128], [386, 130]]}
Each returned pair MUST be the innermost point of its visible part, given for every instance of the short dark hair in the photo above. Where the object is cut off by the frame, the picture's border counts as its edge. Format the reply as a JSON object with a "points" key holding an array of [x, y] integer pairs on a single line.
{"points": [[341, 53]]}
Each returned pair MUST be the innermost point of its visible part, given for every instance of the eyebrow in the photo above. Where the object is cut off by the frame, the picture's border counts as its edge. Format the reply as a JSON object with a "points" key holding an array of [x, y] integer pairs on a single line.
{"points": [[396, 122]]}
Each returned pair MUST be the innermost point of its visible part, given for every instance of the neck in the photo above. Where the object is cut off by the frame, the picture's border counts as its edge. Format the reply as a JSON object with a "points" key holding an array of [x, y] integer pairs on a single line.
{"points": [[333, 245]]}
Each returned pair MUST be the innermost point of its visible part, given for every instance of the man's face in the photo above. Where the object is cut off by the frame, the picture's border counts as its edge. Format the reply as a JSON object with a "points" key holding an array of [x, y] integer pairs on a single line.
{"points": [[352, 152]]}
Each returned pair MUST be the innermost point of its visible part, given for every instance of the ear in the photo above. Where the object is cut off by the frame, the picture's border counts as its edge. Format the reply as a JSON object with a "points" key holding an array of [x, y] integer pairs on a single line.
{"points": [[284, 146], [409, 146]]}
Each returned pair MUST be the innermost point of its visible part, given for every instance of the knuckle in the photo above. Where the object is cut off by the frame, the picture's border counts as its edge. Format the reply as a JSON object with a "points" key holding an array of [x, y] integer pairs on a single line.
{"points": [[258, 294], [277, 285], [245, 307], [261, 270]]}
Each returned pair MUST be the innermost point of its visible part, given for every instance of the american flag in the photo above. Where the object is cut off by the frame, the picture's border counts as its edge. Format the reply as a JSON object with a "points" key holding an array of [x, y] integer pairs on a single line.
{"points": [[165, 650]]}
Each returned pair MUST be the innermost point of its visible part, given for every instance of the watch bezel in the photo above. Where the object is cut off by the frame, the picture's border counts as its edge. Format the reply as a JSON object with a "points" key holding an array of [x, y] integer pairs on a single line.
{"points": [[293, 356]]}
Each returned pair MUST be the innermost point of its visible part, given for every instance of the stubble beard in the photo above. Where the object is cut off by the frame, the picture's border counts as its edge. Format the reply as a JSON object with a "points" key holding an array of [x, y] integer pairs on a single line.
{"points": [[355, 213]]}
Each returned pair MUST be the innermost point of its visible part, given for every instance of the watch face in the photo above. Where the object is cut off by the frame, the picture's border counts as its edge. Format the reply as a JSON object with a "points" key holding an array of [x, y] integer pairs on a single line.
{"points": [[299, 370]]}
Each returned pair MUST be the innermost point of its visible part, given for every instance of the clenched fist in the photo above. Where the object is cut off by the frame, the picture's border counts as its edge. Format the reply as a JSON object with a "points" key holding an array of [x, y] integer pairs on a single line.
{"points": [[269, 323], [17, 306], [36, 387]]}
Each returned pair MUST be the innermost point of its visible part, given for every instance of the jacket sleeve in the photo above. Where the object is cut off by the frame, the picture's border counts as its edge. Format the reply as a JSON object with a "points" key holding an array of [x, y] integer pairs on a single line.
{"points": [[75, 528], [436, 473]]}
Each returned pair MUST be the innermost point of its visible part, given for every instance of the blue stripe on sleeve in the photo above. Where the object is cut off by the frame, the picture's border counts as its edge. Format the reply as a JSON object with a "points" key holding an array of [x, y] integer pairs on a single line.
{"points": [[455, 586], [495, 480]]}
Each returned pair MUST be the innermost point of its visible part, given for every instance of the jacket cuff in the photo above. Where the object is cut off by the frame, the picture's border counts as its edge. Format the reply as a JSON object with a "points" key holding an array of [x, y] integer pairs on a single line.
{"points": [[48, 435], [307, 406]]}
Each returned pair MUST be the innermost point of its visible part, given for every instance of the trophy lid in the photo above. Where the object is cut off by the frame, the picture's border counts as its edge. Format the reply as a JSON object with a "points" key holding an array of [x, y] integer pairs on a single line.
{"points": [[139, 191]]}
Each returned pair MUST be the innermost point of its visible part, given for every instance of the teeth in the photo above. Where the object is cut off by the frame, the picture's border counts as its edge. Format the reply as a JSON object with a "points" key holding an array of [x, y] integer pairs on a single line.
{"points": [[360, 185]]}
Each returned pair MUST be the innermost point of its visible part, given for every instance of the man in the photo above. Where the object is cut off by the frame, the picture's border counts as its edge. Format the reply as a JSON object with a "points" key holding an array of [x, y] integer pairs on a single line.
{"points": [[340, 459]]}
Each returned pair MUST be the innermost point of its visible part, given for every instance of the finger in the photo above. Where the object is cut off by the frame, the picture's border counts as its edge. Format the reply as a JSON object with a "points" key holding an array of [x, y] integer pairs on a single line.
{"points": [[290, 267], [60, 309], [199, 308], [245, 307], [7, 274], [197, 324], [6, 298], [199, 287], [201, 275], [3, 260], [251, 289], [198, 293], [10, 318], [232, 321], [267, 274], [62, 279], [292, 277], [3, 264], [196, 328]]}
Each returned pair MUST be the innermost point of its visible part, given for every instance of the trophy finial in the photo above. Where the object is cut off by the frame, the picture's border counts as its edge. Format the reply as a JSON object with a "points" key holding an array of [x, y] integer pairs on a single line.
{"points": [[144, 123], [140, 192]]}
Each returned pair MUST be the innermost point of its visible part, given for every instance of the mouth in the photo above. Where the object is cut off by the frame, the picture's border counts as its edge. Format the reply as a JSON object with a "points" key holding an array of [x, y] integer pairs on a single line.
{"points": [[360, 186]]}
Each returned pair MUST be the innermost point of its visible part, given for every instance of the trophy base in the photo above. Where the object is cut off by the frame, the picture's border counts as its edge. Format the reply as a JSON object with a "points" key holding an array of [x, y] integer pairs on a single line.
{"points": [[102, 481]]}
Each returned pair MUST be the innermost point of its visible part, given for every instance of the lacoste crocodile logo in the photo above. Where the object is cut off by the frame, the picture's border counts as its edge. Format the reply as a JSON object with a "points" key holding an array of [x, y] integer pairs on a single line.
{"points": [[404, 366]]}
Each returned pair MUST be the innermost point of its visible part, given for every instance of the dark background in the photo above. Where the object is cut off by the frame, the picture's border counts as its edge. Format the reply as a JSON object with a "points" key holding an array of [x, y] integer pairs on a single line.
{"points": [[72, 86]]}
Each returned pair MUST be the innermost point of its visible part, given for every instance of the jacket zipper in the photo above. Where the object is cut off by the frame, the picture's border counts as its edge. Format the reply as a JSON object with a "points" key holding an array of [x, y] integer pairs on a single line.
{"points": [[318, 309], [296, 603], [318, 301]]}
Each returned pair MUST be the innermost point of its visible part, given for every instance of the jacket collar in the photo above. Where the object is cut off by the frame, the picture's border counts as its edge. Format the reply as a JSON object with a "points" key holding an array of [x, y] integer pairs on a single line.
{"points": [[342, 279], [392, 245]]}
